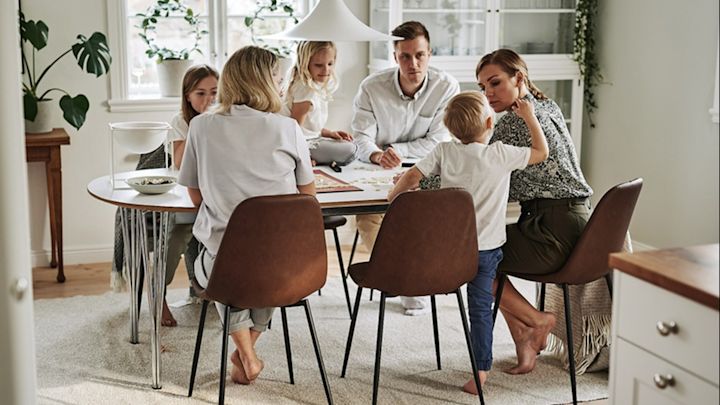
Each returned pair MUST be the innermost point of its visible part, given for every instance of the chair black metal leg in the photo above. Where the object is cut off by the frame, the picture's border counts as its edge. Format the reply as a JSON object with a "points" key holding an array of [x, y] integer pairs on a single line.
{"points": [[569, 343], [498, 294], [372, 290], [342, 270], [378, 347], [352, 251], [466, 328], [320, 292], [608, 281], [198, 343], [223, 358], [288, 350], [353, 319], [435, 331], [541, 305], [316, 345]]}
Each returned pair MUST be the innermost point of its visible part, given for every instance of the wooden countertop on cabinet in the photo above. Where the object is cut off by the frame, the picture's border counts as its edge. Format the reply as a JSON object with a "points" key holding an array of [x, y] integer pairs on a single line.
{"points": [[665, 327]]}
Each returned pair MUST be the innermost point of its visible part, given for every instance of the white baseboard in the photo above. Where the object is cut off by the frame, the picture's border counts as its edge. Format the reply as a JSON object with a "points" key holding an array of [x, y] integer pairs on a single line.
{"points": [[640, 247], [74, 255]]}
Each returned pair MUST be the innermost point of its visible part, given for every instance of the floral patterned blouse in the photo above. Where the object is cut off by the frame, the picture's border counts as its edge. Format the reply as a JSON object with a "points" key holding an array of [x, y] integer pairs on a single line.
{"points": [[557, 177]]}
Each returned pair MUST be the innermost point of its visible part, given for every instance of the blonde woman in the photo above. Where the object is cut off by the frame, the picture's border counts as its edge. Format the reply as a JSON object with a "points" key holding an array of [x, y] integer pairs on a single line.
{"points": [[242, 150], [311, 87]]}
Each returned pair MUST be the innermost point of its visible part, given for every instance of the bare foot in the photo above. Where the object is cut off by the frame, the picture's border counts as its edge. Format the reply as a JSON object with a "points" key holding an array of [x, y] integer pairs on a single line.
{"points": [[251, 368], [470, 386], [167, 316], [237, 373], [530, 341]]}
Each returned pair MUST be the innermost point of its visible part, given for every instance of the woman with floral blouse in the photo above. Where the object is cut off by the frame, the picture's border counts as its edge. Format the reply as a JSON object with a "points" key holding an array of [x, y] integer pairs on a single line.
{"points": [[553, 196]]}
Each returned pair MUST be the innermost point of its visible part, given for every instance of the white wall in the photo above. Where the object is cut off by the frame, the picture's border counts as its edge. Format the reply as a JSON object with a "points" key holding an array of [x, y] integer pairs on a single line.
{"points": [[658, 59], [17, 345], [88, 223]]}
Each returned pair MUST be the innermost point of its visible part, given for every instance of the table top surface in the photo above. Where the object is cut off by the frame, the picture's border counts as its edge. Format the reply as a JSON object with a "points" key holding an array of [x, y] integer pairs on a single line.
{"points": [[56, 137], [691, 272], [374, 181]]}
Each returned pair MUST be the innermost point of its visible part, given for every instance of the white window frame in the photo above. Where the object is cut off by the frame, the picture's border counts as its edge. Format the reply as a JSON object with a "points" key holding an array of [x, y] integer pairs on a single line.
{"points": [[117, 35]]}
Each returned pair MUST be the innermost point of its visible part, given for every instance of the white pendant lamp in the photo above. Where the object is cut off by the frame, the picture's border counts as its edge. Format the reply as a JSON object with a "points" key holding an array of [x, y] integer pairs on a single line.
{"points": [[331, 20]]}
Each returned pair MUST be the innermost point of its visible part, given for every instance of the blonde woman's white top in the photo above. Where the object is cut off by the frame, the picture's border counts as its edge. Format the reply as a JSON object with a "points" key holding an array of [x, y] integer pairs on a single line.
{"points": [[232, 157]]}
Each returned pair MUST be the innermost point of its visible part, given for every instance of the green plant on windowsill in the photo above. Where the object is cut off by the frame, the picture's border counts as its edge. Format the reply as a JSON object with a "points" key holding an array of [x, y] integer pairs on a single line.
{"points": [[167, 9], [276, 9], [92, 54]]}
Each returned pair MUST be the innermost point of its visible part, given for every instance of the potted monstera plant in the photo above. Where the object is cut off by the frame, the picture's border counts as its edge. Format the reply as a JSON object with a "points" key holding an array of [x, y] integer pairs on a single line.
{"points": [[171, 62], [92, 55]]}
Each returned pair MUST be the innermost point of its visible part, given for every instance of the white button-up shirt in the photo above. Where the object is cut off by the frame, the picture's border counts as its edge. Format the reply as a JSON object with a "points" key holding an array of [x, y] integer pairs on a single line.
{"points": [[383, 116]]}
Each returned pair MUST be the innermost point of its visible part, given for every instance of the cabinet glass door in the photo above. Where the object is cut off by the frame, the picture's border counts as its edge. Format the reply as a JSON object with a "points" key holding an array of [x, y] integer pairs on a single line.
{"points": [[380, 20], [537, 26], [457, 27]]}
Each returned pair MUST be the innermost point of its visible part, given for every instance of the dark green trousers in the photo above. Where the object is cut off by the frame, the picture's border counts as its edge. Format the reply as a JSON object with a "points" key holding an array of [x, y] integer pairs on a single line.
{"points": [[545, 234]]}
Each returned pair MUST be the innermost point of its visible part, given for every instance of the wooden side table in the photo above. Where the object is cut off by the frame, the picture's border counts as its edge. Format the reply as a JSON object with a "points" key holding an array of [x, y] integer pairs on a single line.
{"points": [[46, 148]]}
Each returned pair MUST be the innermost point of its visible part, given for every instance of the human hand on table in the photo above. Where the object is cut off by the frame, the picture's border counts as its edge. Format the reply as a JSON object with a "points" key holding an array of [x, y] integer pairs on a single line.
{"points": [[338, 135], [387, 159]]}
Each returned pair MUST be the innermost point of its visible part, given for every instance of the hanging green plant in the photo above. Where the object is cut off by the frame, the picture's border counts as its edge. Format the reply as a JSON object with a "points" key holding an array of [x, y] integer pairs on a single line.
{"points": [[584, 52]]}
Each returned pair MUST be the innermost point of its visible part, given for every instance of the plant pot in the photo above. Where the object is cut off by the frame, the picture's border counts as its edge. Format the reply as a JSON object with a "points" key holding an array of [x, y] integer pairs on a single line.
{"points": [[42, 123], [139, 136], [170, 76]]}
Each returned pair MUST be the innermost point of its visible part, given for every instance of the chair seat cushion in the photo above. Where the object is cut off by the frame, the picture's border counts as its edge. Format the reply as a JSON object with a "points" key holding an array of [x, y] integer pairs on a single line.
{"points": [[334, 221], [358, 272]]}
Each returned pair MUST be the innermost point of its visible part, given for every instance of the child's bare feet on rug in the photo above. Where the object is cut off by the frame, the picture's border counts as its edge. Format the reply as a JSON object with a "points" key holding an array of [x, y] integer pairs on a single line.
{"points": [[530, 343], [167, 316], [470, 386]]}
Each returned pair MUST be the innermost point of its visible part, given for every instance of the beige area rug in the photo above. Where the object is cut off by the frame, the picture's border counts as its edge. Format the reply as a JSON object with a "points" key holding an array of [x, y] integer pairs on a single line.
{"points": [[84, 357]]}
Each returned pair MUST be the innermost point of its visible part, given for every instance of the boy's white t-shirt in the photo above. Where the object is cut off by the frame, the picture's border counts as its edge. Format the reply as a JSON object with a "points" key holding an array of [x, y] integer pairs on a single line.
{"points": [[232, 157], [484, 171], [317, 116]]}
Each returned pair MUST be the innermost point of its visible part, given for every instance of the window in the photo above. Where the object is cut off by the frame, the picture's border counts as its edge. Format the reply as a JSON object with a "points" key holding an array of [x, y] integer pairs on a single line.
{"points": [[134, 83]]}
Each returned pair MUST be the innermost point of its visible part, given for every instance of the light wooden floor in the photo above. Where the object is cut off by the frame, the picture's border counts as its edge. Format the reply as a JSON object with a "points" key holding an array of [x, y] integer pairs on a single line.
{"points": [[94, 279]]}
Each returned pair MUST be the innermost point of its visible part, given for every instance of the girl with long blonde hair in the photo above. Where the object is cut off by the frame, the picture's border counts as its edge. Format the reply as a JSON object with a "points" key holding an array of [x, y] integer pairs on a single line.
{"points": [[311, 87]]}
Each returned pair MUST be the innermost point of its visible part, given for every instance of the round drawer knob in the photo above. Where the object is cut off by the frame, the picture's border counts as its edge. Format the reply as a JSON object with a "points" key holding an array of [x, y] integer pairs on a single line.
{"points": [[666, 328], [20, 288], [662, 381]]}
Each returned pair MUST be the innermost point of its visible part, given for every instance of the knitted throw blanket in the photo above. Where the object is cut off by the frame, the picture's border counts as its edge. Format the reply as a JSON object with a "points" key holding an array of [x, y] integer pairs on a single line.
{"points": [[591, 308]]}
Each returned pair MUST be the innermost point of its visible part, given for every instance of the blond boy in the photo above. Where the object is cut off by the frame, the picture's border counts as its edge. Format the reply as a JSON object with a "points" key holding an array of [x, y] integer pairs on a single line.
{"points": [[484, 171]]}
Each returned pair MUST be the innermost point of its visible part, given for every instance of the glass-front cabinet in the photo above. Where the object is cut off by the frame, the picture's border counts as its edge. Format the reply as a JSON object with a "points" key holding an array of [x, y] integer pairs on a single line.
{"points": [[462, 31]]}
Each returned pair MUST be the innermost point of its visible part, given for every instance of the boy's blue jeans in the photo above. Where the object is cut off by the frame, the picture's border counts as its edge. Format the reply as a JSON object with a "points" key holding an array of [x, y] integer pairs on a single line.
{"points": [[480, 302]]}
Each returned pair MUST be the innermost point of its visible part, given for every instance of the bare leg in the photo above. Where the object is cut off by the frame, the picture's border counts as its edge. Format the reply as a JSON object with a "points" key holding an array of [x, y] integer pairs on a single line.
{"points": [[528, 326], [470, 387], [167, 316], [246, 365]]}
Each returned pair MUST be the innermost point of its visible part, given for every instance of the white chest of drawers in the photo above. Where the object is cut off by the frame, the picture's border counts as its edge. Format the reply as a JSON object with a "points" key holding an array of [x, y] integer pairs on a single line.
{"points": [[665, 335]]}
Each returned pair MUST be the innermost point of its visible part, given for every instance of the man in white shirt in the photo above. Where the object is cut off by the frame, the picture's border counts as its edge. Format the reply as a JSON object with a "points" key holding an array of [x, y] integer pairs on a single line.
{"points": [[398, 113]]}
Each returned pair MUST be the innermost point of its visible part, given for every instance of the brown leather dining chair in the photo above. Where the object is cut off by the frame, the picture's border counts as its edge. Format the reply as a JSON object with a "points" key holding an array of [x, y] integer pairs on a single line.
{"points": [[604, 234], [427, 245], [272, 255]]}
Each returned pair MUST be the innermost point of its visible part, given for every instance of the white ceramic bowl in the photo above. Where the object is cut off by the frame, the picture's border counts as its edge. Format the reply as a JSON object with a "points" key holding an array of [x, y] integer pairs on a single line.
{"points": [[139, 136], [152, 184]]}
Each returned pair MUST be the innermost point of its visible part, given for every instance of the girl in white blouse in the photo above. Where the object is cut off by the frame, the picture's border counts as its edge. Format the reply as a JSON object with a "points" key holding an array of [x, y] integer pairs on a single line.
{"points": [[311, 87]]}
